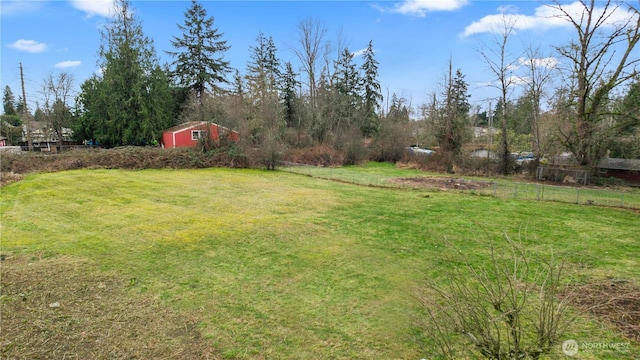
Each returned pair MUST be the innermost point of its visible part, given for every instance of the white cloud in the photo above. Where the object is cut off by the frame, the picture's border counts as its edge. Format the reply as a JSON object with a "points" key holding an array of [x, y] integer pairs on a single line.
{"points": [[94, 7], [68, 64], [548, 62], [517, 80], [8, 7], [358, 53], [421, 7], [31, 46], [544, 17]]}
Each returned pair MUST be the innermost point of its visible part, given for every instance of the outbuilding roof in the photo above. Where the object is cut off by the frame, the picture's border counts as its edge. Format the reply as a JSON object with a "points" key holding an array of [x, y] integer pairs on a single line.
{"points": [[619, 164], [190, 125]]}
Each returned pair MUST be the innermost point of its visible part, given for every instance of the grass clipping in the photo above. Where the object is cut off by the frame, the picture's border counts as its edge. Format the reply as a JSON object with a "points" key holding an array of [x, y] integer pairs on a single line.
{"points": [[59, 308]]}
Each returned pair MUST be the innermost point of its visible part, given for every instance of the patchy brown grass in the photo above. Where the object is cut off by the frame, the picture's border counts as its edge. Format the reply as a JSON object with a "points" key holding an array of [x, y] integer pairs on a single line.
{"points": [[62, 308], [9, 177], [441, 183], [614, 301]]}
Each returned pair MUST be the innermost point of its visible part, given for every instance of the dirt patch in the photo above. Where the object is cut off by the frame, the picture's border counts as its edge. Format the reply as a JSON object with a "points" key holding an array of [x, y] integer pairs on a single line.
{"points": [[59, 308], [614, 301], [441, 184], [9, 177]]}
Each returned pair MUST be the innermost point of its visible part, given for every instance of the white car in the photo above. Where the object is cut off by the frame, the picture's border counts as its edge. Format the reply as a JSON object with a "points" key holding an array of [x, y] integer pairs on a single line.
{"points": [[417, 150]]}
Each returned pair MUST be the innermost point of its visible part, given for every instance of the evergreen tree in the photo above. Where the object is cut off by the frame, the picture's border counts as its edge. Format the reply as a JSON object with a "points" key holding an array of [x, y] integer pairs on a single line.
{"points": [[522, 119], [8, 101], [290, 96], [39, 114], [452, 122], [263, 72], [263, 69], [348, 85], [372, 93], [627, 143], [398, 111], [238, 85], [630, 106], [199, 56], [20, 105], [131, 102]]}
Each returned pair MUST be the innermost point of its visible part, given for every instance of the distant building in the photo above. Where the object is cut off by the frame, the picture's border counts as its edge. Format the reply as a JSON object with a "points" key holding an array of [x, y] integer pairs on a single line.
{"points": [[189, 133], [483, 154], [43, 136], [624, 169]]}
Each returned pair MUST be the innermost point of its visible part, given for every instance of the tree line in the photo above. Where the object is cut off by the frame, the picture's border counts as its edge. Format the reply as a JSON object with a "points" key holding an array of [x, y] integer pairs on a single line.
{"points": [[337, 102]]}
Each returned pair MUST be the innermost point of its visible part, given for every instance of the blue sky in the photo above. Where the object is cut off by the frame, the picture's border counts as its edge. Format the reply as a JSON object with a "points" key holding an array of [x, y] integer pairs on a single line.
{"points": [[413, 39]]}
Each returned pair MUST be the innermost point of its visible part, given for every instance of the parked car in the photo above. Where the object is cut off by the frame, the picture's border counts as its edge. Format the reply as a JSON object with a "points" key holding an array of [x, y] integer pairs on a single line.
{"points": [[416, 150], [525, 158]]}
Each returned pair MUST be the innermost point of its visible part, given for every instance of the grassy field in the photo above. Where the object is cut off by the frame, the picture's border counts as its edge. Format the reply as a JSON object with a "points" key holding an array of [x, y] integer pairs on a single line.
{"points": [[282, 266], [382, 174]]}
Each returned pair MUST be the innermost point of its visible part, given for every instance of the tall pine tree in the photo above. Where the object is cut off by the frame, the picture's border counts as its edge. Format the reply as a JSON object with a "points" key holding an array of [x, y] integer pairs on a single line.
{"points": [[452, 127], [263, 72], [8, 101], [199, 56], [130, 103], [347, 84], [372, 93]]}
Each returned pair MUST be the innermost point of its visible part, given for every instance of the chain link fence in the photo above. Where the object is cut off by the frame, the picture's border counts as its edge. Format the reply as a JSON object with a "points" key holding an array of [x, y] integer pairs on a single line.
{"points": [[621, 198]]}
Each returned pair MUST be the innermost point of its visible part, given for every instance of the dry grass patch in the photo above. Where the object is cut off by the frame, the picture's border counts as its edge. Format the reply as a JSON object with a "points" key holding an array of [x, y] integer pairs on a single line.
{"points": [[9, 177], [440, 183], [614, 301], [62, 308]]}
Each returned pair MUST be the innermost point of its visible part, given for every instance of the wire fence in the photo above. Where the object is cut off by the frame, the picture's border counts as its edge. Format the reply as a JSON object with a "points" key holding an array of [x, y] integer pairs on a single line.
{"points": [[622, 198]]}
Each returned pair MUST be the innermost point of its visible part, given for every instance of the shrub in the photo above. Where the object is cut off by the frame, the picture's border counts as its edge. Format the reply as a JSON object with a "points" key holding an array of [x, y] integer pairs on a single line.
{"points": [[128, 157], [471, 165], [270, 151], [511, 307], [391, 142], [352, 145], [318, 155]]}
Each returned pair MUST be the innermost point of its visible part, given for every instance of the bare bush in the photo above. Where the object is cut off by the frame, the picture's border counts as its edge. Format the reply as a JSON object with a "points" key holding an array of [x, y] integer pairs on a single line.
{"points": [[472, 165], [514, 306], [270, 151], [390, 145], [318, 155], [124, 158], [352, 145]]}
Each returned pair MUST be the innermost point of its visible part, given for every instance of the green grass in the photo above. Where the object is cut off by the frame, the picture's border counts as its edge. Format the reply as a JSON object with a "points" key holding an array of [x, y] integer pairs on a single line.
{"points": [[381, 174], [287, 266]]}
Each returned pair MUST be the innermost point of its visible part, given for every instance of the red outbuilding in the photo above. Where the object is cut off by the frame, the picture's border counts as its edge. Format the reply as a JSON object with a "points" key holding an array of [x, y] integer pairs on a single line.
{"points": [[188, 134]]}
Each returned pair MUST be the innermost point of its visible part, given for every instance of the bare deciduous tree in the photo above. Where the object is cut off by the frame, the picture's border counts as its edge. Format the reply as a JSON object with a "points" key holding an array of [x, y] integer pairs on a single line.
{"points": [[501, 65], [539, 73], [600, 59], [57, 91], [310, 38]]}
